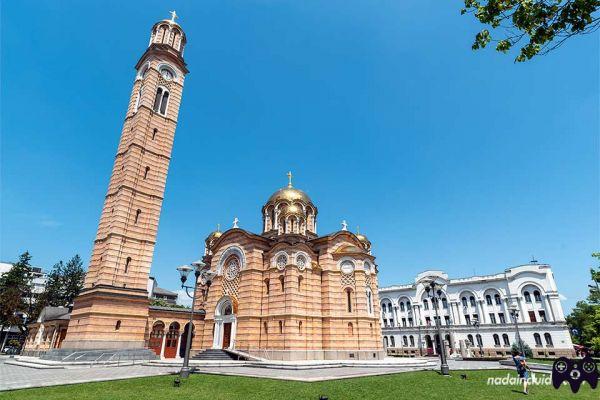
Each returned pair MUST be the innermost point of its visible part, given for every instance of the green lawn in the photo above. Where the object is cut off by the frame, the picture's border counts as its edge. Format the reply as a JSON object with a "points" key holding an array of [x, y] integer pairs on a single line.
{"points": [[410, 385]]}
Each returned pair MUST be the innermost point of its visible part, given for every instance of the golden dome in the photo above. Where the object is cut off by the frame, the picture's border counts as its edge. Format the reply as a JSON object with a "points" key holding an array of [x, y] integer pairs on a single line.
{"points": [[214, 235], [289, 194], [363, 239]]}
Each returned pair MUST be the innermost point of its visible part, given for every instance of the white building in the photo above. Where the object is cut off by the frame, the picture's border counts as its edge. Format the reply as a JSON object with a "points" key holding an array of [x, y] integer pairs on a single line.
{"points": [[475, 314]]}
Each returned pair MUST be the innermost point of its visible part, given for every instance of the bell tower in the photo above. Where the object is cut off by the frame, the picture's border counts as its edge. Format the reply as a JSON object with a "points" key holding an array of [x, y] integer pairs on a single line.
{"points": [[112, 310]]}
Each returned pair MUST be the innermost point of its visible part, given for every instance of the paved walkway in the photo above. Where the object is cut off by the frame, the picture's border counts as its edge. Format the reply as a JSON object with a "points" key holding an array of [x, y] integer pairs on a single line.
{"points": [[17, 377]]}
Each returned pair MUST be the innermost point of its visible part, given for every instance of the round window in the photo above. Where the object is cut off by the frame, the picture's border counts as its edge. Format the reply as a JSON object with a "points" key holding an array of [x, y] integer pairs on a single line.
{"points": [[301, 262], [281, 261], [166, 74], [233, 269], [347, 267]]}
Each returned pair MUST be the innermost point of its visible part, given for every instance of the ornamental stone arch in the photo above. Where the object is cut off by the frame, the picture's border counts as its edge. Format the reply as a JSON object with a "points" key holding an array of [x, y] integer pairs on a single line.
{"points": [[233, 250]]}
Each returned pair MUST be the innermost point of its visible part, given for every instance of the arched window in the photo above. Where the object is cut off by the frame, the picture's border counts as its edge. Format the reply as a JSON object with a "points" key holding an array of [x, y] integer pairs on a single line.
{"points": [[266, 326], [137, 216], [161, 100], [146, 172], [118, 325], [488, 299], [349, 300], [405, 340], [401, 306], [392, 341], [300, 327], [350, 329], [497, 299], [300, 283], [127, 262], [472, 301], [369, 301], [138, 99], [154, 132], [408, 305], [282, 282], [280, 326], [444, 303], [527, 297], [496, 340], [479, 340], [548, 340], [385, 341], [470, 339], [412, 341], [267, 286], [537, 296], [505, 340], [464, 301], [538, 339], [425, 304]]}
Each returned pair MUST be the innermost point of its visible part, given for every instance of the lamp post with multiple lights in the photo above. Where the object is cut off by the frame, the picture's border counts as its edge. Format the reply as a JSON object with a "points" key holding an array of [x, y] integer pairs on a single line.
{"points": [[479, 344], [434, 291], [199, 269], [514, 313]]}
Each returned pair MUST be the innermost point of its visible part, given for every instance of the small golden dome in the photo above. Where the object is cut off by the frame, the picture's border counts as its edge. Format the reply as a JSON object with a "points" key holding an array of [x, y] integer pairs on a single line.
{"points": [[363, 239], [214, 235]]}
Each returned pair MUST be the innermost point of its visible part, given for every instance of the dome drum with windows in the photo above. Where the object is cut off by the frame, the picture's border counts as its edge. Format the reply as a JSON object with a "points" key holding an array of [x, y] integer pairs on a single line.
{"points": [[289, 211]]}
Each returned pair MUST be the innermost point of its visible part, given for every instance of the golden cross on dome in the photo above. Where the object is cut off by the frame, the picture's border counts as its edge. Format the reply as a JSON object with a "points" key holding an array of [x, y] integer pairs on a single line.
{"points": [[289, 175], [173, 15]]}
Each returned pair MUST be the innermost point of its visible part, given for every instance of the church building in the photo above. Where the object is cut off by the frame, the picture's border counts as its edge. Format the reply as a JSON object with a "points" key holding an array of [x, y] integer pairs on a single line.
{"points": [[288, 293], [285, 293]]}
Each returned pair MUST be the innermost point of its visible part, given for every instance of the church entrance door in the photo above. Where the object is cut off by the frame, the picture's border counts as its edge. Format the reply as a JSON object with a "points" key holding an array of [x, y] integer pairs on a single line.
{"points": [[226, 335]]}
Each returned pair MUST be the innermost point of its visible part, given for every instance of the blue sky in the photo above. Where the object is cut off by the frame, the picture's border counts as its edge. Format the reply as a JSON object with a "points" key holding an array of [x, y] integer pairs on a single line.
{"points": [[447, 158]]}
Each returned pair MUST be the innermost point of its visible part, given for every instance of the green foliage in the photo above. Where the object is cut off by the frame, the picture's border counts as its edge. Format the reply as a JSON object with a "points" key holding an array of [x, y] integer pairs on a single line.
{"points": [[585, 317], [15, 292], [163, 303], [526, 348], [65, 281], [539, 25]]}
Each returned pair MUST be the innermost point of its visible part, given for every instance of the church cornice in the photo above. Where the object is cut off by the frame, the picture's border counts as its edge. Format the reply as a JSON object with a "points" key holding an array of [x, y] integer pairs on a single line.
{"points": [[166, 51]]}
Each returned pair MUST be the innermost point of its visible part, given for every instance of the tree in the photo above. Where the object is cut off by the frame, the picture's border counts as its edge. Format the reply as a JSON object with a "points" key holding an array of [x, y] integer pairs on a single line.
{"points": [[65, 281], [15, 293], [526, 349], [72, 280], [538, 26], [584, 320]]}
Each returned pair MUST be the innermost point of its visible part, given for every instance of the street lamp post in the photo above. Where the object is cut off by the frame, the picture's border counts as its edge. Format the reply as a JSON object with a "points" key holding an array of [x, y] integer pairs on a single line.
{"points": [[479, 344], [514, 313], [184, 271], [435, 293]]}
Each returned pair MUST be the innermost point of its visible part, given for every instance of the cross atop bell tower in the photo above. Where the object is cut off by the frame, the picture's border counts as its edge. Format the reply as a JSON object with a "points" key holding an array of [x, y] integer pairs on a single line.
{"points": [[112, 309]]}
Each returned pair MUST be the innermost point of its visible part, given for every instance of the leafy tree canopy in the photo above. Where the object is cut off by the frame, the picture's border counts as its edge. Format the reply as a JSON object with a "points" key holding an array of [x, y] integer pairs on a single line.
{"points": [[15, 292], [584, 320], [538, 26]]}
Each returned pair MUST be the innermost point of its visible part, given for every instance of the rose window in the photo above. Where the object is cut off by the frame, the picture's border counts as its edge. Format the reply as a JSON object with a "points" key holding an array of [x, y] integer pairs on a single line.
{"points": [[301, 262], [233, 269], [281, 261]]}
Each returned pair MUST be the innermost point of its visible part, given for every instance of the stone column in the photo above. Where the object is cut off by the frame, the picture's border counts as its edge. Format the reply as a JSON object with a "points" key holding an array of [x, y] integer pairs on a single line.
{"points": [[179, 345], [162, 346], [548, 308], [521, 310], [483, 318]]}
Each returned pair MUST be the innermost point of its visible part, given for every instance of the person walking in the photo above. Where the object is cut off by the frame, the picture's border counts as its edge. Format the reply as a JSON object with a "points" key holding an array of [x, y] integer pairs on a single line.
{"points": [[522, 368]]}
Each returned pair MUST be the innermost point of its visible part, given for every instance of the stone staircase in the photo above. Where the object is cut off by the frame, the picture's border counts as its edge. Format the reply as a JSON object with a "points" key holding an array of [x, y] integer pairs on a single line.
{"points": [[216, 355]]}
